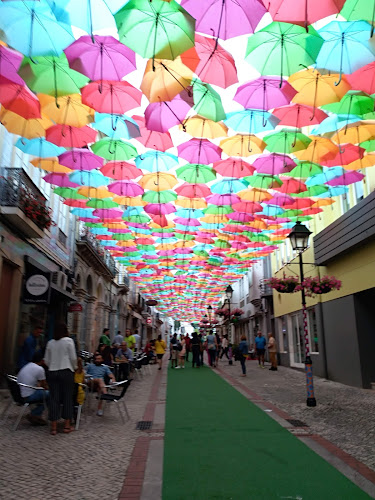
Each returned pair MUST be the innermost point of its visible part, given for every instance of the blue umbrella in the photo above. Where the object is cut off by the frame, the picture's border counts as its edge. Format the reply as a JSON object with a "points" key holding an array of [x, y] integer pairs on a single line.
{"points": [[347, 46], [32, 28], [100, 230], [251, 121], [83, 212], [205, 225], [89, 178], [133, 211], [156, 161], [333, 123], [39, 147], [182, 227], [189, 213], [271, 210], [116, 126], [334, 191], [229, 186], [328, 174]]}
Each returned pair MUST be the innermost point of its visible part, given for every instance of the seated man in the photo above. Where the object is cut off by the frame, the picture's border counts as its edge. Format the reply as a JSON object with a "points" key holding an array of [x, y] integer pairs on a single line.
{"points": [[33, 374], [98, 371], [125, 356]]}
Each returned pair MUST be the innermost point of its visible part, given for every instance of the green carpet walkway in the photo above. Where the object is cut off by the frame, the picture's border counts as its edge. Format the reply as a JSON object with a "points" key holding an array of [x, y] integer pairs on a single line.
{"points": [[219, 445]]}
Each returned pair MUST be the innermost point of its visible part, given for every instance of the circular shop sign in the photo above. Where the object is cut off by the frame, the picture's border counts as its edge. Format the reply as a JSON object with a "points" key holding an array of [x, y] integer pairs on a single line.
{"points": [[37, 284]]}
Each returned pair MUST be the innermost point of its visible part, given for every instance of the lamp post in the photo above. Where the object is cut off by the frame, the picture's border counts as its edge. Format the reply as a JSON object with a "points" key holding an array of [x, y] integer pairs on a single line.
{"points": [[209, 312], [228, 294], [299, 239]]}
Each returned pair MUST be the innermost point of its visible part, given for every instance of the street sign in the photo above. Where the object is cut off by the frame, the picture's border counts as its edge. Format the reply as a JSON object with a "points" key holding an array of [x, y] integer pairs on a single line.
{"points": [[75, 307], [149, 321]]}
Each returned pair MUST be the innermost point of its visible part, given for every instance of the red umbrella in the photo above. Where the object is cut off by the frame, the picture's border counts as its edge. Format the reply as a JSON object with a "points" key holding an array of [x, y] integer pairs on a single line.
{"points": [[155, 140], [347, 154], [233, 167], [247, 206], [121, 170], [111, 97], [211, 62], [363, 79], [300, 204], [299, 115], [193, 190], [291, 186], [302, 12], [160, 220], [19, 99], [71, 137]]}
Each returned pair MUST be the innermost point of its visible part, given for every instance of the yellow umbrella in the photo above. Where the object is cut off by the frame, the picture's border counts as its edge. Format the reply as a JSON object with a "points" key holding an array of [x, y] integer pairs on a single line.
{"points": [[214, 219], [242, 145], [184, 244], [158, 181], [164, 79], [50, 165], [128, 201], [354, 133], [318, 147], [258, 224], [29, 129], [315, 89], [92, 192], [254, 195], [367, 161], [71, 111], [191, 202], [115, 225], [156, 226], [165, 246], [323, 202], [198, 126]]}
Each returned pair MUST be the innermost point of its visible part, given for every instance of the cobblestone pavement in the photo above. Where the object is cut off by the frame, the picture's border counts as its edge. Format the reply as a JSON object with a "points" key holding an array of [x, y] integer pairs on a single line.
{"points": [[84, 465], [344, 415]]}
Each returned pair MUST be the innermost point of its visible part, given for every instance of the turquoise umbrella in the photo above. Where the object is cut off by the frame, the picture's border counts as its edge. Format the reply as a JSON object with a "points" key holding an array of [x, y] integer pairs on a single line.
{"points": [[251, 121], [156, 161]]}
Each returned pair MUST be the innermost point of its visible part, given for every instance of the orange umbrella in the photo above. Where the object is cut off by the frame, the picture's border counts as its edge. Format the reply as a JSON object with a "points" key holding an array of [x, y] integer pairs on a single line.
{"points": [[201, 127], [164, 79], [366, 161], [92, 192], [323, 202], [158, 181], [242, 145], [318, 147], [354, 133], [50, 165], [191, 202], [29, 129], [70, 110], [128, 201], [254, 195]]}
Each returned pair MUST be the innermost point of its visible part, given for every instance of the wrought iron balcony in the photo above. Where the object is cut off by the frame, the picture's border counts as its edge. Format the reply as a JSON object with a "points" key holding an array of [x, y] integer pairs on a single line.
{"points": [[95, 254], [265, 289], [22, 204]]}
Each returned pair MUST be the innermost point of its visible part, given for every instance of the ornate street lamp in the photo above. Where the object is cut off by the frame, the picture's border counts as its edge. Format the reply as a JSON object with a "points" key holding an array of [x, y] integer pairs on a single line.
{"points": [[209, 312], [229, 294], [299, 239]]}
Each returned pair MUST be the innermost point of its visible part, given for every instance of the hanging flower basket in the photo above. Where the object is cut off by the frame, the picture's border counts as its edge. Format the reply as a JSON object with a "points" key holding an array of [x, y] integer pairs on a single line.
{"points": [[237, 312], [318, 286], [286, 284], [222, 312]]}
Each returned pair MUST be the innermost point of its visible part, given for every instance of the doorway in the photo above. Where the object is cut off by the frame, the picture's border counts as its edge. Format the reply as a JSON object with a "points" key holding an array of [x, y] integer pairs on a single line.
{"points": [[6, 284], [297, 355]]}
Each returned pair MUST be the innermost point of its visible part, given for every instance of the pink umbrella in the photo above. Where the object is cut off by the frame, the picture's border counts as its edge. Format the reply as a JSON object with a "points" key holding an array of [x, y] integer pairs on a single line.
{"points": [[163, 115], [238, 245], [193, 190], [247, 206], [349, 177], [165, 253], [121, 170], [199, 151], [105, 58], [187, 222], [265, 93], [80, 159], [299, 115], [161, 220], [111, 97], [61, 180], [160, 208], [10, 62], [108, 213], [211, 62], [240, 217], [151, 139], [225, 19], [302, 12], [234, 167], [223, 199], [274, 164], [126, 188], [363, 79], [280, 200], [183, 250], [347, 154], [71, 137]]}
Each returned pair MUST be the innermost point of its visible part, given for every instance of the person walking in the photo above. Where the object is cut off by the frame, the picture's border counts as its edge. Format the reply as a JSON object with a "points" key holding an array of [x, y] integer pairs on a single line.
{"points": [[160, 347], [196, 349], [174, 350], [211, 349], [244, 349], [272, 350], [61, 359], [181, 353], [201, 349], [224, 347], [218, 349], [188, 346], [260, 344]]}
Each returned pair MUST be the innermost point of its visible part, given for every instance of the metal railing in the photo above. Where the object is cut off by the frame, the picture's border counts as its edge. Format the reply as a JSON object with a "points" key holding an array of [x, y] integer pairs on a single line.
{"points": [[265, 289], [104, 256]]}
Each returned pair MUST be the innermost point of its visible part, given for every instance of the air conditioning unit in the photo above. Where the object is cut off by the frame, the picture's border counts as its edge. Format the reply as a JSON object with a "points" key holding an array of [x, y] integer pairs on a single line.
{"points": [[60, 279]]}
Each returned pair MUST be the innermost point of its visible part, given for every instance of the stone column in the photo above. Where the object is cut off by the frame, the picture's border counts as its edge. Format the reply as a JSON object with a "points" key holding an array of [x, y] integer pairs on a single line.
{"points": [[88, 328]]}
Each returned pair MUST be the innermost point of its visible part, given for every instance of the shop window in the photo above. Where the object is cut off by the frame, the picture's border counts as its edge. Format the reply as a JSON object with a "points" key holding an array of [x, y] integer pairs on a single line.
{"points": [[283, 334], [313, 329], [358, 190]]}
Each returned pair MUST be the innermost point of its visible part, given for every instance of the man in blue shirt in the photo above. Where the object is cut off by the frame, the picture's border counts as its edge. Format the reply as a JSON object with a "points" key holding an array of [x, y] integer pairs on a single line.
{"points": [[260, 344], [97, 372], [31, 346]]}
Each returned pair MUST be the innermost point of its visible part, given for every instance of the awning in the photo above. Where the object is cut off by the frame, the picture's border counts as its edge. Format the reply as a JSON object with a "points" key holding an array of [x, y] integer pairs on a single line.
{"points": [[64, 295]]}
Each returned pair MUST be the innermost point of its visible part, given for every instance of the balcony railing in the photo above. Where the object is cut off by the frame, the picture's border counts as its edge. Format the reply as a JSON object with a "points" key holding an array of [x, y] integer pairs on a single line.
{"points": [[265, 289], [23, 203], [86, 237]]}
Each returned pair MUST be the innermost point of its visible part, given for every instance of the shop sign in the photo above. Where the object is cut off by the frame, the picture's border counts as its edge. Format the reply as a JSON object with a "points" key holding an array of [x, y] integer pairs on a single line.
{"points": [[149, 321], [151, 302], [36, 286], [75, 307]]}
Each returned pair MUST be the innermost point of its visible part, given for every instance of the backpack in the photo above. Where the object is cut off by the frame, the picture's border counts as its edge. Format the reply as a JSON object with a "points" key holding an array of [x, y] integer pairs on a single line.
{"points": [[237, 354]]}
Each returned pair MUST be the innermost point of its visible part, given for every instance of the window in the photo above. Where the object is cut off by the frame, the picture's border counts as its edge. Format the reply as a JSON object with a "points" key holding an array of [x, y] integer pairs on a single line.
{"points": [[313, 329], [344, 203], [283, 334], [358, 190]]}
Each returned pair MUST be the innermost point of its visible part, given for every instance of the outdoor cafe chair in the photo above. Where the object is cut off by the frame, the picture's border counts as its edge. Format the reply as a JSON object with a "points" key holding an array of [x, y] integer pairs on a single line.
{"points": [[117, 398]]}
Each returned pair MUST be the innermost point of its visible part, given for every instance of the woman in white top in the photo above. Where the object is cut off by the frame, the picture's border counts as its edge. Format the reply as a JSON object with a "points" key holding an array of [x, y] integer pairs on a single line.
{"points": [[61, 359]]}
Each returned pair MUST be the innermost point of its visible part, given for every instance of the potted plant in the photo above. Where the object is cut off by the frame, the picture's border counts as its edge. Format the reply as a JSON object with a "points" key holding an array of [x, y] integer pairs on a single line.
{"points": [[286, 284], [34, 208], [237, 312], [222, 312], [317, 286]]}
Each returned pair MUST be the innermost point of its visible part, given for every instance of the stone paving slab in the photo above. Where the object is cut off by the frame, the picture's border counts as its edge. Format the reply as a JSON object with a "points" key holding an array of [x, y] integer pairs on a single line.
{"points": [[343, 415], [89, 464]]}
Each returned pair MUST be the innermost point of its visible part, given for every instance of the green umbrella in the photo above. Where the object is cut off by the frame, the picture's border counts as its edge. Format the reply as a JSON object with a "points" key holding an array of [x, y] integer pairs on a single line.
{"points": [[114, 150], [139, 219], [195, 173], [286, 142], [354, 102], [290, 213], [159, 196], [201, 253], [162, 230], [304, 170], [51, 75], [185, 237], [301, 218], [122, 236], [283, 48], [358, 10], [263, 181], [222, 244], [101, 203], [69, 193], [93, 224], [369, 145], [259, 237], [218, 210], [312, 191], [155, 29], [207, 102]]}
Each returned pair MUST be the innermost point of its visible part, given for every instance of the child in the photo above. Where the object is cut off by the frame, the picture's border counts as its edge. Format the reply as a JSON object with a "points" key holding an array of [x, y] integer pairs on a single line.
{"points": [[79, 378]]}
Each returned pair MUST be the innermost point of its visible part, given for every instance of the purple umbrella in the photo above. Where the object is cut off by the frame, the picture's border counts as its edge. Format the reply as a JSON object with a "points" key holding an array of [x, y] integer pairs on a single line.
{"points": [[240, 217], [104, 59], [159, 208], [187, 222], [199, 151], [10, 61], [161, 116], [223, 199], [280, 200], [125, 188], [225, 18], [265, 93], [108, 213], [273, 164], [348, 177], [165, 253], [80, 159], [61, 180]]}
